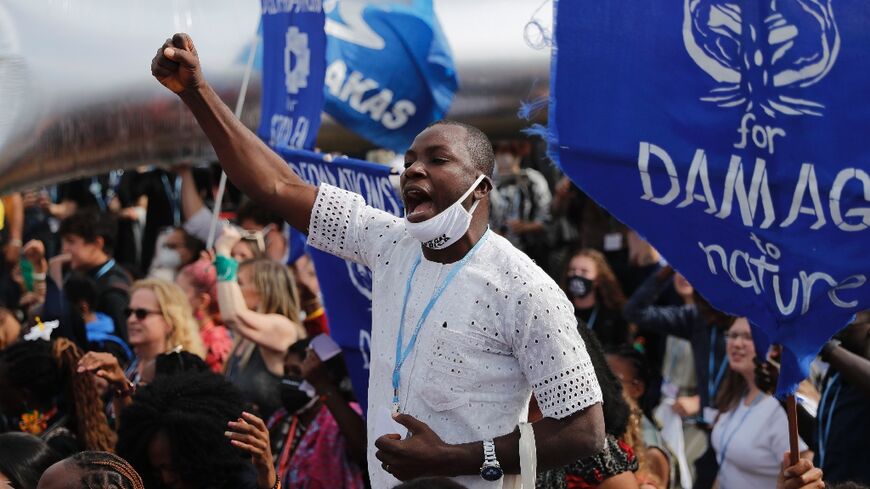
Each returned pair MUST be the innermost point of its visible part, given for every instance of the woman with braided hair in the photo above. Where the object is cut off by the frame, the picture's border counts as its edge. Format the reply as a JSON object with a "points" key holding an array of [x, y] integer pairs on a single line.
{"points": [[44, 393], [173, 434], [91, 470]]}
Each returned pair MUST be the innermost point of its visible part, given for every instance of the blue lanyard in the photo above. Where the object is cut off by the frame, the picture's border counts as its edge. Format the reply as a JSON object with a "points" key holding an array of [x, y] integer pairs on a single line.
{"points": [[104, 269], [402, 355], [96, 189], [825, 424], [723, 442], [132, 371], [592, 317], [713, 384], [173, 198]]}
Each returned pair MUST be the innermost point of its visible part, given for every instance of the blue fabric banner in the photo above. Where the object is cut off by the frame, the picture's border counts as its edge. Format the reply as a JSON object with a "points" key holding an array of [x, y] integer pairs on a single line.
{"points": [[733, 135], [293, 67], [389, 69], [346, 287]]}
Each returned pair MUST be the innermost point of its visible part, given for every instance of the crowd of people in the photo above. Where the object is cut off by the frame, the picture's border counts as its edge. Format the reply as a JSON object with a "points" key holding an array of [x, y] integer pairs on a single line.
{"points": [[132, 356]]}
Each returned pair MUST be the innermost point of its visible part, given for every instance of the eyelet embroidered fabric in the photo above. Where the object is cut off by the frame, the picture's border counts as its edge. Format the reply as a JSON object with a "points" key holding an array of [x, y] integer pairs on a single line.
{"points": [[500, 331]]}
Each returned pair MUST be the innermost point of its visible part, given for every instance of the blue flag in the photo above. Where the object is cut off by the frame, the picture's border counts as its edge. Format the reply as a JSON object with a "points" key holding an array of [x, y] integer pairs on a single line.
{"points": [[733, 135], [293, 66], [346, 286], [389, 69], [297, 242]]}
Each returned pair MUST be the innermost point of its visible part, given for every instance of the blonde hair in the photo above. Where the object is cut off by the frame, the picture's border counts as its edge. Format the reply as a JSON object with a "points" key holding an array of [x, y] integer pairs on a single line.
{"points": [[276, 286], [176, 311]]}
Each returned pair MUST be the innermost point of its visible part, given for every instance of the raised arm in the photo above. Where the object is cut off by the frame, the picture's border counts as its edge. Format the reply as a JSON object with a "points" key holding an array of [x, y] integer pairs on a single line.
{"points": [[271, 331], [252, 167], [640, 308], [191, 202], [15, 223], [854, 368]]}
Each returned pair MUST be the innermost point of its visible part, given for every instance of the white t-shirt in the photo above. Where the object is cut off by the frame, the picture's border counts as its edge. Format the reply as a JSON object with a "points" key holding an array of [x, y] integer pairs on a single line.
{"points": [[753, 456], [499, 331]]}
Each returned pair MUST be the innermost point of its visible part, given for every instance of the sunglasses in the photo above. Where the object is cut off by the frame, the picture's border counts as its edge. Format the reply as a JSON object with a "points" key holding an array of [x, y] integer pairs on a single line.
{"points": [[139, 312], [255, 236]]}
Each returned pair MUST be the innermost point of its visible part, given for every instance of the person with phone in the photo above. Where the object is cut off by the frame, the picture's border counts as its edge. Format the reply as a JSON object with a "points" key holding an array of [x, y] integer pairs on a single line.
{"points": [[319, 434]]}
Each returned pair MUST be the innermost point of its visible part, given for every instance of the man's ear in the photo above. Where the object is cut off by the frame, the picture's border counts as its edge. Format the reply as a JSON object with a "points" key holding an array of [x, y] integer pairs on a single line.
{"points": [[100, 242], [483, 188]]}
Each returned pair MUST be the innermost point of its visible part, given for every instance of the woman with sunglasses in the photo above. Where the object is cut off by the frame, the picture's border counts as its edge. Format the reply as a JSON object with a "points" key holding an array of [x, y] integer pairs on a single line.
{"points": [[159, 320], [259, 301], [751, 433], [251, 246]]}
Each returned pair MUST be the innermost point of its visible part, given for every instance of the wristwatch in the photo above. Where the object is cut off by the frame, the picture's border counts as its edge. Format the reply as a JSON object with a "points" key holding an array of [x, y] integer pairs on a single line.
{"points": [[491, 469]]}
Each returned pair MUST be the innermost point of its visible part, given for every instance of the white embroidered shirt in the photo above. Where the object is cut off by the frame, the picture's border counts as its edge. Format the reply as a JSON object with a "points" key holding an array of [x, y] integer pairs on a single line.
{"points": [[501, 330]]}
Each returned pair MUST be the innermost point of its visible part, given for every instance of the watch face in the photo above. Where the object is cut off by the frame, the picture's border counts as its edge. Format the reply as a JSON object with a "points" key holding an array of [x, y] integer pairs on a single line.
{"points": [[491, 473]]}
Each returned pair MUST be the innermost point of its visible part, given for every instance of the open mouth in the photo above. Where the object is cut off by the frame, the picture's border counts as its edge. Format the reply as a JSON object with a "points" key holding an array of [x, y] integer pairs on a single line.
{"points": [[418, 204]]}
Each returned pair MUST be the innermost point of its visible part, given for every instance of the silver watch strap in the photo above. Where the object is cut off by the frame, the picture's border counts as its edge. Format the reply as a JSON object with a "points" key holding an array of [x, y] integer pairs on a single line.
{"points": [[489, 453]]}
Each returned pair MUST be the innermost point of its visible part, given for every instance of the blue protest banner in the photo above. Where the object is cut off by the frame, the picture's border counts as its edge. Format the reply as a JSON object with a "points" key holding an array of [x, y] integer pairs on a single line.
{"points": [[346, 287], [389, 69], [297, 242], [293, 67], [732, 134]]}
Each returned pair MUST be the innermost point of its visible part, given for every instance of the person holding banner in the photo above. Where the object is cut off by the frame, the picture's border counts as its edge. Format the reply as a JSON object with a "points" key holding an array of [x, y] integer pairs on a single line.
{"points": [[453, 362]]}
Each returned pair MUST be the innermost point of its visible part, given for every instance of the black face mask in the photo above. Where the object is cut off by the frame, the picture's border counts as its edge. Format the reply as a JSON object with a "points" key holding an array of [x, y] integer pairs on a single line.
{"points": [[579, 287], [296, 394]]}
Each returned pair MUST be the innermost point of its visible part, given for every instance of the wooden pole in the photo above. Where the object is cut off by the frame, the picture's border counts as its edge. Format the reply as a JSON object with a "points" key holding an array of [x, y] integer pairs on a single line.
{"points": [[791, 409]]}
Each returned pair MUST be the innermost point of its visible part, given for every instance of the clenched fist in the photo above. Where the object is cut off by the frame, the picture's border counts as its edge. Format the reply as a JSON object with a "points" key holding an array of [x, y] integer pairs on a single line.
{"points": [[176, 64]]}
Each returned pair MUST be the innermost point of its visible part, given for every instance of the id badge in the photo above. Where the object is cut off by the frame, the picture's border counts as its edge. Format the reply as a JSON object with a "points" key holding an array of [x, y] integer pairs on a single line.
{"points": [[710, 415], [613, 242]]}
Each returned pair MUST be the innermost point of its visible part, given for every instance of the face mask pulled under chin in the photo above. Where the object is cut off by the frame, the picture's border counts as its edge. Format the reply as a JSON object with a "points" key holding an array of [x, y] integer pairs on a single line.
{"points": [[444, 229], [297, 394]]}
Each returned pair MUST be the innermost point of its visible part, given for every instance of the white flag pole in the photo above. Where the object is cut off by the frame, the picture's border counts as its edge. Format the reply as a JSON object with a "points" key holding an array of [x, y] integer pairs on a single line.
{"points": [[240, 103]]}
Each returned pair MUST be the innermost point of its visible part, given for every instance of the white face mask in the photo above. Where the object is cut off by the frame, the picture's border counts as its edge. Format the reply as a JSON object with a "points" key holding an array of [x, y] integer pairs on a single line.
{"points": [[167, 258], [444, 229]]}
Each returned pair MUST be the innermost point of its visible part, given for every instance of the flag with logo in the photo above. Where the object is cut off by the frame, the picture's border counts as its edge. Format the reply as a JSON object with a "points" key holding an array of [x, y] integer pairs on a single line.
{"points": [[346, 286], [732, 135], [293, 66], [389, 69]]}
